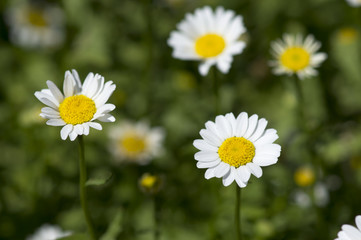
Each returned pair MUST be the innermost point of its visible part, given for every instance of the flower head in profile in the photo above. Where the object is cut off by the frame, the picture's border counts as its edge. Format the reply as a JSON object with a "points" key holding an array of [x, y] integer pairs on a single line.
{"points": [[234, 148], [354, 3], [350, 232], [48, 232], [211, 37], [34, 26], [79, 106], [136, 142], [293, 55]]}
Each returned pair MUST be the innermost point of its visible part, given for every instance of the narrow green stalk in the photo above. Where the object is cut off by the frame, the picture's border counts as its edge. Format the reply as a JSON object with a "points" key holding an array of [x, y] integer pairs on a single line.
{"points": [[156, 218], [237, 213], [82, 188], [216, 91]]}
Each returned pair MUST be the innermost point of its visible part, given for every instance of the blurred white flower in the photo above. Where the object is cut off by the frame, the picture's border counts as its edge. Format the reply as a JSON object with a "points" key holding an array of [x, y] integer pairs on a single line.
{"points": [[136, 142], [302, 199], [294, 55], [234, 148], [36, 26], [80, 105], [350, 232], [48, 232], [354, 3], [321, 194], [211, 37]]}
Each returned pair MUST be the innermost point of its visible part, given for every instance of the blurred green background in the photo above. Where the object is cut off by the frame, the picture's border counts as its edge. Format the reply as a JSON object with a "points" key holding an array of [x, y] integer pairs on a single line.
{"points": [[125, 41]]}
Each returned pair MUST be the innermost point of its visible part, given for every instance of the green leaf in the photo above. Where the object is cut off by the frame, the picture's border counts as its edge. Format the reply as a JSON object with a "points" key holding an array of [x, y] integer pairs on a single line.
{"points": [[78, 236], [99, 180], [114, 228]]}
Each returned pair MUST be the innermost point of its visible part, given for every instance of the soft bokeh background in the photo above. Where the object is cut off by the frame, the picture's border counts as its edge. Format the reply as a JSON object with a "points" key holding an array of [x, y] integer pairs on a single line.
{"points": [[125, 41]]}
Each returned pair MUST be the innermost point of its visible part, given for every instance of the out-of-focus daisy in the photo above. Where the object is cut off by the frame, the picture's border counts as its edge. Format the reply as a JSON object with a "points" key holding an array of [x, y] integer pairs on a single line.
{"points": [[234, 148], [354, 3], [48, 232], [136, 142], [211, 37], [80, 105], [304, 176], [150, 184], [350, 232], [294, 55], [36, 26]]}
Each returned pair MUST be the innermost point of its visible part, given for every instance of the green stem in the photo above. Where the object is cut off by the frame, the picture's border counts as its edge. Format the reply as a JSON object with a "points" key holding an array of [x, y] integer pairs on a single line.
{"points": [[237, 213], [156, 218], [82, 188], [216, 91]]}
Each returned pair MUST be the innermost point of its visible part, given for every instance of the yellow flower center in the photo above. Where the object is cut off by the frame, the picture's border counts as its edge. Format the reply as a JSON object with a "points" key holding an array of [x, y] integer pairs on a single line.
{"points": [[210, 45], [133, 144], [36, 18], [304, 176], [236, 151], [148, 181], [77, 109], [295, 58]]}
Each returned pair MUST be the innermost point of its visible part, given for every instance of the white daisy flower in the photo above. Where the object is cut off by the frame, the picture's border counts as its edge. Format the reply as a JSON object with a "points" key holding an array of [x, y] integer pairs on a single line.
{"points": [[136, 142], [33, 26], [293, 55], [211, 37], [80, 105], [48, 232], [234, 148], [354, 3], [350, 232]]}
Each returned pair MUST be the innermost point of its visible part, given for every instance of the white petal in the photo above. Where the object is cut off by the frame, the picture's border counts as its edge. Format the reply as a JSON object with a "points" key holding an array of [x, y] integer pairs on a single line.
{"points": [[95, 125], [210, 173], [103, 97], [255, 169], [222, 169], [211, 126], [205, 156], [264, 160], [210, 138], [55, 122], [208, 164], [261, 126], [77, 80], [224, 127], [229, 178], [69, 84], [240, 183], [64, 133], [269, 137], [49, 110], [351, 231], [358, 222], [242, 124], [232, 120], [270, 149], [204, 67], [85, 129], [55, 91], [72, 135], [78, 129], [243, 173], [252, 124], [203, 145], [47, 99], [106, 118]]}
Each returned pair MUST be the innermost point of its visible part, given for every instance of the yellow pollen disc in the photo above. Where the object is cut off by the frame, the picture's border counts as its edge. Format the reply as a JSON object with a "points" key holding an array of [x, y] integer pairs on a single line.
{"points": [[210, 45], [236, 151], [36, 18], [304, 176], [148, 181], [133, 144], [77, 109], [295, 58]]}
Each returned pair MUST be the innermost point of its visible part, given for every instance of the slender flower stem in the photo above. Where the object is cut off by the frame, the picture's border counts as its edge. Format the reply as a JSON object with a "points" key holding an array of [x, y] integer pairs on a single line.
{"points": [[82, 188], [216, 91], [237, 213]]}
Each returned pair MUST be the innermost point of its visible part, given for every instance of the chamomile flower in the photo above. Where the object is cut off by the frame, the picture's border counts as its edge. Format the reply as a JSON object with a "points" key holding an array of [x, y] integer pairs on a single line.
{"points": [[48, 232], [354, 3], [79, 106], [210, 37], [350, 232], [294, 55], [36, 27], [136, 142], [234, 148]]}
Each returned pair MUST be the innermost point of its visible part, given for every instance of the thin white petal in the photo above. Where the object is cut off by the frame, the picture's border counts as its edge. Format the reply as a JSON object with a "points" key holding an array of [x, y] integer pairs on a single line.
{"points": [[243, 173], [255, 169], [55, 122], [242, 124], [203, 145], [206, 156], [210, 138], [95, 125], [64, 133], [229, 178], [222, 169], [55, 91], [261, 126], [252, 124]]}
